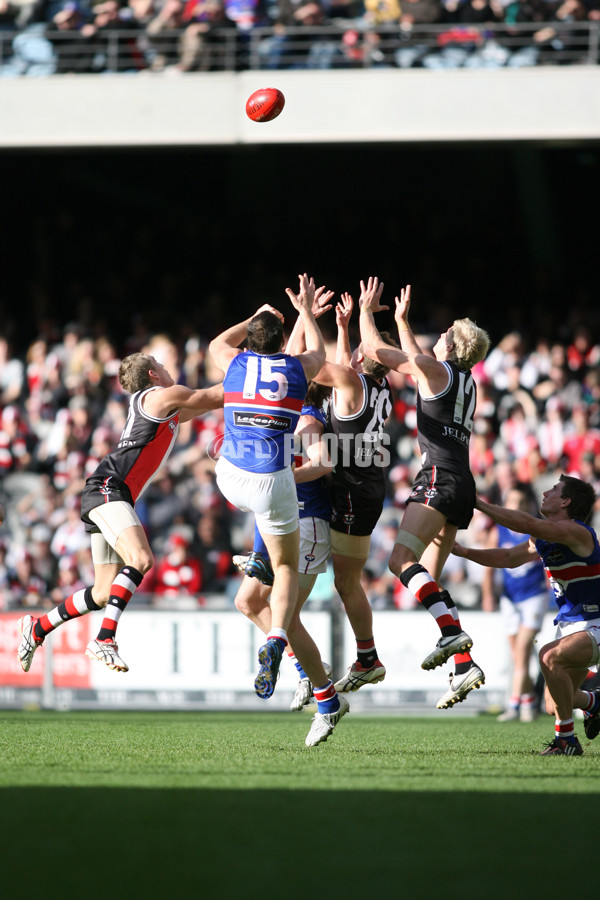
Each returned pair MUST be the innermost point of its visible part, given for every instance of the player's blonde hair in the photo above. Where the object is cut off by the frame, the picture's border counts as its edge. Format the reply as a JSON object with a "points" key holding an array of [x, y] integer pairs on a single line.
{"points": [[134, 372], [471, 343]]}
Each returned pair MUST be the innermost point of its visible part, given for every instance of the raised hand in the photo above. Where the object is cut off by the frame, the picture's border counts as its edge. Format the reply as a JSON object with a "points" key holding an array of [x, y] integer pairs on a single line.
{"points": [[321, 303], [343, 310], [370, 295], [402, 305], [303, 300], [266, 307]]}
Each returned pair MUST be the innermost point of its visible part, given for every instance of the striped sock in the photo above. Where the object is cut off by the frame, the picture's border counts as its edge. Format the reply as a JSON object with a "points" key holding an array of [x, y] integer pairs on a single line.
{"points": [[301, 671], [121, 592], [78, 604], [528, 700], [366, 654], [327, 699], [424, 588], [514, 702], [564, 728], [593, 703], [279, 635]]}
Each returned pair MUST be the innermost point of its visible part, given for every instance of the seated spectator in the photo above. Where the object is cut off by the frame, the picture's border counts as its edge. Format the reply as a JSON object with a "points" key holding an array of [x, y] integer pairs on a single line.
{"points": [[178, 574], [114, 32], [71, 46], [209, 37], [25, 588]]}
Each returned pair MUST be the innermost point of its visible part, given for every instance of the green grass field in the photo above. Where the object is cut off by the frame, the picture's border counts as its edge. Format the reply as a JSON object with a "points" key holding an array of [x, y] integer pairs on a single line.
{"points": [[234, 805]]}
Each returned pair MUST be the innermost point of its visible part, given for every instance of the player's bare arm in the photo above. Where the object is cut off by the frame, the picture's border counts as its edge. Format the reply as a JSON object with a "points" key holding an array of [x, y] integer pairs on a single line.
{"points": [[226, 345], [313, 357], [408, 342], [430, 374], [558, 529], [498, 557], [343, 313], [160, 403], [321, 304], [310, 431]]}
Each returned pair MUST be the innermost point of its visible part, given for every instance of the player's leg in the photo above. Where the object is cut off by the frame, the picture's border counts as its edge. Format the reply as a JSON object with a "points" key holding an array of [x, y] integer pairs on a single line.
{"points": [[564, 664], [256, 564], [522, 683], [330, 706], [34, 630], [467, 674], [420, 526], [283, 553], [127, 543], [252, 599], [349, 554]]}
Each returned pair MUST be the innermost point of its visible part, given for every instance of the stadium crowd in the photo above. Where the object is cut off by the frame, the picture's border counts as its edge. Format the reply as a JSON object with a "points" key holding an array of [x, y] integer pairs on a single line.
{"points": [[44, 37], [62, 410]]}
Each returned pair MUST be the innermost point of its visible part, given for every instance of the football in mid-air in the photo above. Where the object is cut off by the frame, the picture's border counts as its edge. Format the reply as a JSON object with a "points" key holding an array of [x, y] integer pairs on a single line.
{"points": [[265, 104]]}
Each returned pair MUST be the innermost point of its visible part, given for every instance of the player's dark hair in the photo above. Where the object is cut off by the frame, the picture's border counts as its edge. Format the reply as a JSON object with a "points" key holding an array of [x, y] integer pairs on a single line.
{"points": [[582, 497], [376, 369], [133, 372], [316, 394], [265, 333]]}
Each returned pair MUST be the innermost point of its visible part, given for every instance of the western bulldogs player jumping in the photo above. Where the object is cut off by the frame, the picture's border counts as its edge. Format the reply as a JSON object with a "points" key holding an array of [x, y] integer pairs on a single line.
{"points": [[120, 549], [264, 392], [443, 494]]}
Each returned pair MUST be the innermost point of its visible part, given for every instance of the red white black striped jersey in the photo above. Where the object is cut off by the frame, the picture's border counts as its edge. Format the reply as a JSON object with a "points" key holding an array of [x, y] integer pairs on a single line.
{"points": [[357, 456], [445, 422], [145, 444]]}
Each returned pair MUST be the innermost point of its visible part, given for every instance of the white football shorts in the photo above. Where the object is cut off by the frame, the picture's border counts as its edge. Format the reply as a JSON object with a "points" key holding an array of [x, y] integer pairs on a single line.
{"points": [[271, 497], [315, 546], [592, 626], [525, 614]]}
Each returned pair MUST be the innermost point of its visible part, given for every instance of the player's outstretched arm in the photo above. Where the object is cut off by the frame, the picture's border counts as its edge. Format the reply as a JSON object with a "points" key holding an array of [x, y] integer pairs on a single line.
{"points": [[343, 314], [310, 431], [160, 403], [225, 346], [314, 356], [498, 557], [373, 344], [408, 342], [563, 531], [296, 343]]}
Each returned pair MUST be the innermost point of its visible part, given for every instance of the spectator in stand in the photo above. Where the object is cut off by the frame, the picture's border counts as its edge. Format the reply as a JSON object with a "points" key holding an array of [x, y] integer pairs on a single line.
{"points": [[210, 37], [113, 35], [25, 588], [12, 373], [582, 352], [44, 561], [179, 573], [68, 580], [71, 47], [579, 441], [214, 550]]}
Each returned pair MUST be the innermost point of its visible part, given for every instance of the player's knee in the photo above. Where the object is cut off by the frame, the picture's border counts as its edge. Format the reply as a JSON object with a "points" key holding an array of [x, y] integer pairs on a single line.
{"points": [[547, 656], [143, 561], [101, 598]]}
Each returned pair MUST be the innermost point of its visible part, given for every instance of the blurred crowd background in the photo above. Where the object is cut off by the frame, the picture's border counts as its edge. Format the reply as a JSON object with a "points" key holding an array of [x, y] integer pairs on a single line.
{"points": [[45, 37], [62, 410]]}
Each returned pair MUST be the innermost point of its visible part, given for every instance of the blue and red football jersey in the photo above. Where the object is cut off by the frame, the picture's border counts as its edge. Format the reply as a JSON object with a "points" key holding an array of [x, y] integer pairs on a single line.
{"points": [[263, 401]]}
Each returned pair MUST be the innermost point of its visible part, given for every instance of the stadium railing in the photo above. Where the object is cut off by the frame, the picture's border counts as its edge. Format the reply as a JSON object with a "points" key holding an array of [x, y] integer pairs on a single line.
{"points": [[346, 46]]}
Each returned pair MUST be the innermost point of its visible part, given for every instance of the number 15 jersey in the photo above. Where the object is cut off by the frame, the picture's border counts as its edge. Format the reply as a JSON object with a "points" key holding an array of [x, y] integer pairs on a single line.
{"points": [[263, 401]]}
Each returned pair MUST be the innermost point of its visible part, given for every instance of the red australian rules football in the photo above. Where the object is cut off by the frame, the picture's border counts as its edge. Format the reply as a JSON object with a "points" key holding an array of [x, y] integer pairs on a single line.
{"points": [[265, 104]]}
